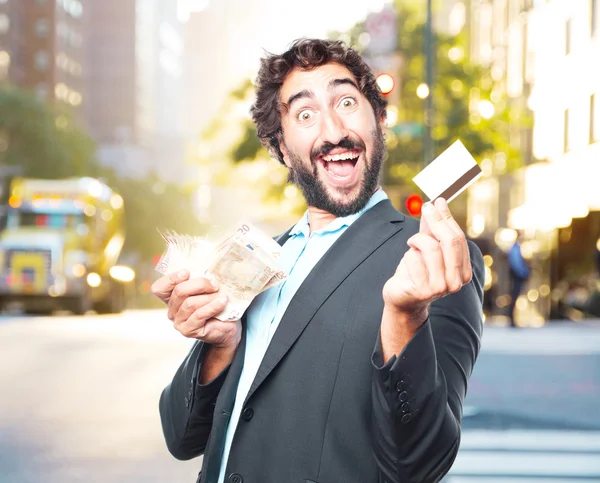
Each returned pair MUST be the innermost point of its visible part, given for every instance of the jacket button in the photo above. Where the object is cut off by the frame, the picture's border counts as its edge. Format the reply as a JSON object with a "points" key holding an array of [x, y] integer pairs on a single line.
{"points": [[404, 407], [403, 396], [235, 478], [247, 414], [400, 386], [406, 418]]}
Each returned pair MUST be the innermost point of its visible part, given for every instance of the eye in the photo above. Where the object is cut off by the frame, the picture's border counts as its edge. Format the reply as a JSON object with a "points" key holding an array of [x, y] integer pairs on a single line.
{"points": [[348, 102], [305, 115]]}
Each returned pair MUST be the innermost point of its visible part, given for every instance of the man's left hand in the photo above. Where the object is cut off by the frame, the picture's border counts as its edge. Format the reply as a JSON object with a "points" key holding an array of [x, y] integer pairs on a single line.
{"points": [[436, 264]]}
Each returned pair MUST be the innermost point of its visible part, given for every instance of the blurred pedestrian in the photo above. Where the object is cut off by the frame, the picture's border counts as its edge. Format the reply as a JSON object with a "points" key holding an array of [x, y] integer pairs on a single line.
{"points": [[355, 368], [520, 271]]}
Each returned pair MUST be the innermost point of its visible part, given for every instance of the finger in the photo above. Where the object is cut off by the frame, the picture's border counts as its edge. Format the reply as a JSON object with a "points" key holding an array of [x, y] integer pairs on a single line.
{"points": [[191, 304], [451, 243], [423, 226], [183, 290], [196, 323], [466, 271], [417, 270], [164, 286], [215, 331], [433, 259]]}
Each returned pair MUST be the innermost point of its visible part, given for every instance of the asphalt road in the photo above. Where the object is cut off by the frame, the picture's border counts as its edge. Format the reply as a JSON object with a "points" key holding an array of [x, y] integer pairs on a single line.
{"points": [[79, 397]]}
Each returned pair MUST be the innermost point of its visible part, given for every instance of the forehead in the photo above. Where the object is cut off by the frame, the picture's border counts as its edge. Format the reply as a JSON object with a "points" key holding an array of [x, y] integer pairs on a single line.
{"points": [[313, 80]]}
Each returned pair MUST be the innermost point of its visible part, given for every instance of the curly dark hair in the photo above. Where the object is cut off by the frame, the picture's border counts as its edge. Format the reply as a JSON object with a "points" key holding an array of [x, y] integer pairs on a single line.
{"points": [[304, 54]]}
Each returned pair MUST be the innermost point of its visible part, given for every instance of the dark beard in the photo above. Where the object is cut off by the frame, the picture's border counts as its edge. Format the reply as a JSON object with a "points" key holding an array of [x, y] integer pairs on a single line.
{"points": [[315, 192]]}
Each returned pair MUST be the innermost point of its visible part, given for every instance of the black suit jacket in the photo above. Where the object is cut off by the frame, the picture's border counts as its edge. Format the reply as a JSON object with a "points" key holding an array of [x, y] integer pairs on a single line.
{"points": [[323, 407]]}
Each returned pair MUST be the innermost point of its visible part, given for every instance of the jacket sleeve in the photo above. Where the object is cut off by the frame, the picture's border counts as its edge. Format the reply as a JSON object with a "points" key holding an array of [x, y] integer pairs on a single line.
{"points": [[417, 397], [186, 406]]}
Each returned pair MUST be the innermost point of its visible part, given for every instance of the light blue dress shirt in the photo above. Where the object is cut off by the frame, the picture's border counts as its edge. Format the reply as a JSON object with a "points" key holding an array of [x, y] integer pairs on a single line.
{"points": [[299, 255]]}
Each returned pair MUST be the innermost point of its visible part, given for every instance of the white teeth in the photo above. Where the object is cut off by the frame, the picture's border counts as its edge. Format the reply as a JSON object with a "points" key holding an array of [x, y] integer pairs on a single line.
{"points": [[340, 157]]}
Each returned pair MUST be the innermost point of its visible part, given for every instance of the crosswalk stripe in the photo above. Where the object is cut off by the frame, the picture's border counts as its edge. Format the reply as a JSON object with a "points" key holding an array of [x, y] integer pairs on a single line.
{"points": [[569, 441], [510, 463]]}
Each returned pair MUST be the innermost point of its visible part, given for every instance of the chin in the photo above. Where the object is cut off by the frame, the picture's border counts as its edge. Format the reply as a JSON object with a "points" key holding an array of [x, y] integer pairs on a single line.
{"points": [[344, 196]]}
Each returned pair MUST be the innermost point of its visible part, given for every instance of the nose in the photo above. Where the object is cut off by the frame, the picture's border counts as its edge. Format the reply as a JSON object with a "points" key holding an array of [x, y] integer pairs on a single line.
{"points": [[333, 129]]}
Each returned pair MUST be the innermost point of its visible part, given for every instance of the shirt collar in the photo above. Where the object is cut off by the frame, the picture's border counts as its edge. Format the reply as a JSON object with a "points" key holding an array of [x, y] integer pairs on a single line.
{"points": [[303, 226]]}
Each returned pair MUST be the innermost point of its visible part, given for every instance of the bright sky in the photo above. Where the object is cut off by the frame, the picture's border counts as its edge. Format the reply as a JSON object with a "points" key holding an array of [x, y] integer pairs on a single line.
{"points": [[243, 29], [312, 18], [272, 24]]}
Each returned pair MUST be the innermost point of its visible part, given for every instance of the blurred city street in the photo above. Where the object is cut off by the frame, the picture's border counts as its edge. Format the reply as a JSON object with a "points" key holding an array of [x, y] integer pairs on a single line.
{"points": [[80, 395], [125, 123]]}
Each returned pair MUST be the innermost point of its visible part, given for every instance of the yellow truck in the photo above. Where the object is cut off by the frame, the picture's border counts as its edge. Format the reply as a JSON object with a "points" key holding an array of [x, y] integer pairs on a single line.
{"points": [[60, 247]]}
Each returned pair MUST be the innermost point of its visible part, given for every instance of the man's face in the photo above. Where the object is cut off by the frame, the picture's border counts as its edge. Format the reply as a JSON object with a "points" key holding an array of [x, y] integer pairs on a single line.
{"points": [[332, 143]]}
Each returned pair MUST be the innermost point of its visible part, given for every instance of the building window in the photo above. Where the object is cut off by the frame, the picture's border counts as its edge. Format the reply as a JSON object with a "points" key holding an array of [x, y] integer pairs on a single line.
{"points": [[4, 23], [75, 40], [41, 60], [4, 64], [42, 28], [73, 7], [594, 119], [566, 132], [593, 17], [61, 91], [568, 29]]}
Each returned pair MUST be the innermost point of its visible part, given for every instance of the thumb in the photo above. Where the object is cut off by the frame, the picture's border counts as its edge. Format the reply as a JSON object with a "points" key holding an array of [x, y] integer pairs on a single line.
{"points": [[164, 286]]}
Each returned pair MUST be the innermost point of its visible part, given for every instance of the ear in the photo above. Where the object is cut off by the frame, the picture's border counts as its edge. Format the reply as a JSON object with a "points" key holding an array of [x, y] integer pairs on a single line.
{"points": [[382, 120], [284, 151]]}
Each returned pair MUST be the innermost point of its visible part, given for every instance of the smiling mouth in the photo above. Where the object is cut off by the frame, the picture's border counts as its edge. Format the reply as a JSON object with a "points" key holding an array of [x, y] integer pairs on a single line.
{"points": [[340, 165]]}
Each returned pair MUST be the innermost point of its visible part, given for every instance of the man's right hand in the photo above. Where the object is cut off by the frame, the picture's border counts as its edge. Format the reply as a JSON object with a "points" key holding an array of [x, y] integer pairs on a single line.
{"points": [[192, 306]]}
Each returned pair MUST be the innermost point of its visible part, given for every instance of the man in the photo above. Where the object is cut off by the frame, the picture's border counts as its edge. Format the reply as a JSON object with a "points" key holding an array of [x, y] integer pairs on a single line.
{"points": [[355, 369], [519, 273]]}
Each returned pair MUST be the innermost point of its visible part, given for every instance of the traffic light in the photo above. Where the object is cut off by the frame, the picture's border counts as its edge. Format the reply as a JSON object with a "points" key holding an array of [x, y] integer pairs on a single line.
{"points": [[386, 83], [414, 203]]}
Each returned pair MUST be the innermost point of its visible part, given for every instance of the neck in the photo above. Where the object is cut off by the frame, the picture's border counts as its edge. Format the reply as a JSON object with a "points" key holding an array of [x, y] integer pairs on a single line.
{"points": [[318, 218]]}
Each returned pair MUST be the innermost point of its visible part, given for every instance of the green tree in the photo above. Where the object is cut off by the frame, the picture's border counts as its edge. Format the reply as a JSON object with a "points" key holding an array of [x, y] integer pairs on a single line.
{"points": [[42, 139], [47, 143], [468, 103], [152, 205]]}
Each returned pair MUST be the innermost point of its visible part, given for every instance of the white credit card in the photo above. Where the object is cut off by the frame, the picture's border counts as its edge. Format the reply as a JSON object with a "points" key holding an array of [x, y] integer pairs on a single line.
{"points": [[449, 174]]}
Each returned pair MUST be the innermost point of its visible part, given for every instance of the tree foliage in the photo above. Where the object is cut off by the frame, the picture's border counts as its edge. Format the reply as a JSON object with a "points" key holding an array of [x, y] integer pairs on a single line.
{"points": [[45, 142], [460, 89]]}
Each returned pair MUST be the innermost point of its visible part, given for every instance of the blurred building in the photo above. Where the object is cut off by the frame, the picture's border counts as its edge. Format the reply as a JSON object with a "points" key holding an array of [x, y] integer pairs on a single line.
{"points": [[222, 50], [41, 48], [135, 86], [207, 79], [542, 54]]}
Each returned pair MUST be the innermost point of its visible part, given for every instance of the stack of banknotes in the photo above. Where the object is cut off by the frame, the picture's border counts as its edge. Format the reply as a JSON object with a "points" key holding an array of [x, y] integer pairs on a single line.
{"points": [[244, 264]]}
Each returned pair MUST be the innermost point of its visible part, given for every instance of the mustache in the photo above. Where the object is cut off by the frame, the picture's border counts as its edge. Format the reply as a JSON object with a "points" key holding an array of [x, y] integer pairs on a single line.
{"points": [[327, 147]]}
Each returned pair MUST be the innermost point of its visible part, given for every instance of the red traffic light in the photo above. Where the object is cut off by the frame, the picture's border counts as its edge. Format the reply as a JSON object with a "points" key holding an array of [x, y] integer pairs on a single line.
{"points": [[386, 83], [414, 203]]}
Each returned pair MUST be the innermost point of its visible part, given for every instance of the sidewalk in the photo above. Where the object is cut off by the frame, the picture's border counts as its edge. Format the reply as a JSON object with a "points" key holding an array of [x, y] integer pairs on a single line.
{"points": [[502, 321]]}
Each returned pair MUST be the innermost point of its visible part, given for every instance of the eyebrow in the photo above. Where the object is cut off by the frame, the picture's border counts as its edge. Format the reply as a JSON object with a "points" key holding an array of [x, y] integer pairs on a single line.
{"points": [[303, 94]]}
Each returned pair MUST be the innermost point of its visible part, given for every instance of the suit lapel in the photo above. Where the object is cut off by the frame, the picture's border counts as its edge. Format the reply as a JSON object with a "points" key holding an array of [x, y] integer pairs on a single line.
{"points": [[359, 241], [281, 239]]}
